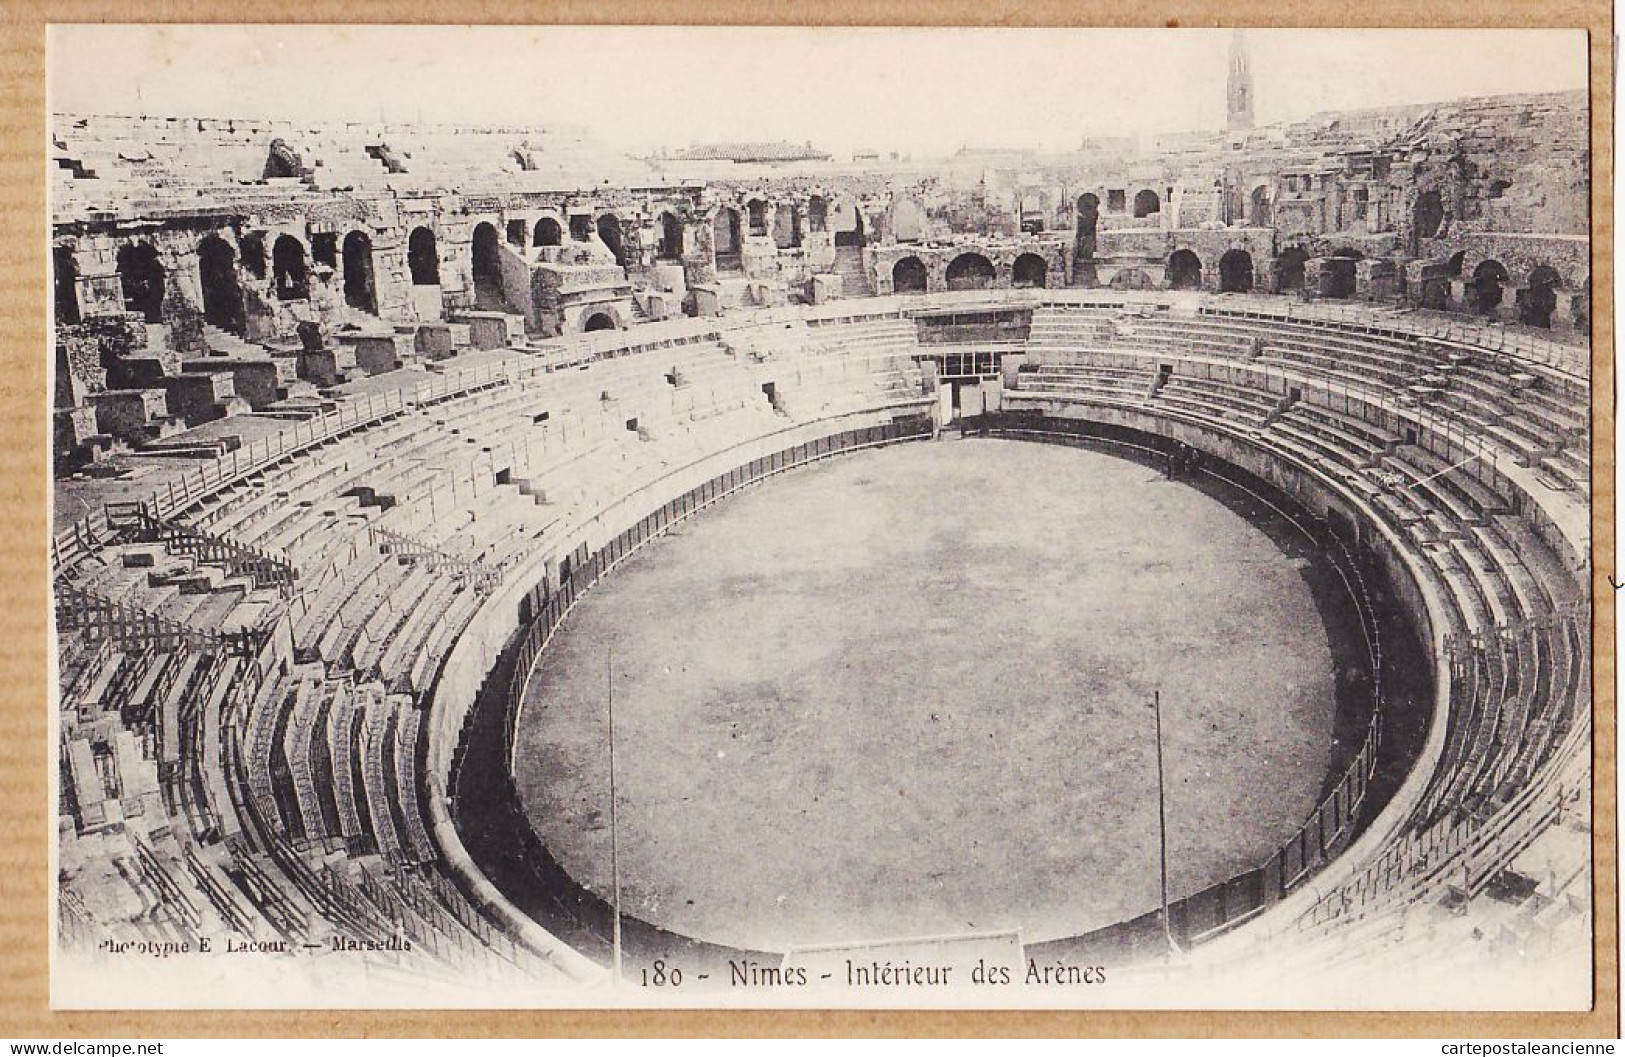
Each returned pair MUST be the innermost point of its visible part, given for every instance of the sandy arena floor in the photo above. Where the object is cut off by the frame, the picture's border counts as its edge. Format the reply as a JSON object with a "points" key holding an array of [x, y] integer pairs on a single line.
{"points": [[909, 691]]}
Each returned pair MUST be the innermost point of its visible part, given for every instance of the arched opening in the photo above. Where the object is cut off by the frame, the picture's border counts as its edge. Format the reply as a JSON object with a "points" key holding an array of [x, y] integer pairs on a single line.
{"points": [[908, 221], [725, 241], [1489, 288], [1236, 272], [1259, 212], [65, 284], [970, 271], [609, 233], [787, 226], [1088, 224], [487, 268], [1433, 287], [222, 293], [423, 258], [1538, 300], [251, 251], [671, 238], [1184, 270], [1029, 270], [142, 276], [1289, 268], [290, 277], [547, 233], [1428, 215], [324, 248], [1338, 274], [817, 214], [599, 321], [1031, 213], [757, 210], [360, 291], [1130, 279], [516, 233], [908, 276], [1146, 203], [282, 162], [848, 225], [1083, 245]]}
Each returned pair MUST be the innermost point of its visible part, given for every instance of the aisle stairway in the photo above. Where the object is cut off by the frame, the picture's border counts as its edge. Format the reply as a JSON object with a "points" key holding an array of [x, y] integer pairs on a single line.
{"points": [[849, 266]]}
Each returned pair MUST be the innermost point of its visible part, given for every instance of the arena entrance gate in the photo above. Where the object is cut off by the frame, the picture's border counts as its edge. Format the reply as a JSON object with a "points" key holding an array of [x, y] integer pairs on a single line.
{"points": [[968, 383]]}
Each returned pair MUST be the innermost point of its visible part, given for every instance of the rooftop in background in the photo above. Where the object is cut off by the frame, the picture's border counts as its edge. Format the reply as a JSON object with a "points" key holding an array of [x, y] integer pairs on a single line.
{"points": [[746, 153]]}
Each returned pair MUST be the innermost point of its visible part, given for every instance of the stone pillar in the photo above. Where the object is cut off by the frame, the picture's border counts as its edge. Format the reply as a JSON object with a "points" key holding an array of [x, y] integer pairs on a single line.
{"points": [[1311, 274], [1563, 311]]}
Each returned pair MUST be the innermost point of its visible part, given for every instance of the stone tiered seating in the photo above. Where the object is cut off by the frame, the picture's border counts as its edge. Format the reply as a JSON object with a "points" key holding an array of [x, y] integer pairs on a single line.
{"points": [[328, 747]]}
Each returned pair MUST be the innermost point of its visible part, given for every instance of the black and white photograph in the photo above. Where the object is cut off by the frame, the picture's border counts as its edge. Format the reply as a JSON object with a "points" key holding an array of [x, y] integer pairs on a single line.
{"points": [[806, 517]]}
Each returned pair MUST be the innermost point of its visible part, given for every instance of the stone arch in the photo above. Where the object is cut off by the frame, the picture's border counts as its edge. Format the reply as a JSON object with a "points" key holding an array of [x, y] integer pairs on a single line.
{"points": [[1339, 276], [1260, 209], [1427, 216], [908, 276], [423, 257], [969, 271], [1236, 272], [217, 278], [608, 226], [360, 287], [1088, 224], [817, 214], [1488, 288], [670, 246], [142, 275], [598, 321], [1433, 287], [1184, 270], [290, 273], [1289, 269], [1147, 203], [251, 254], [485, 260], [548, 232], [1130, 279], [727, 241], [1085, 241], [65, 283], [1030, 213], [1538, 299], [1029, 270], [671, 238], [756, 216]]}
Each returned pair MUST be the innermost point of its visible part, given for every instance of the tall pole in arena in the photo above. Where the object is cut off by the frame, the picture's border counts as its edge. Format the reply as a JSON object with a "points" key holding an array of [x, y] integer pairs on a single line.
{"points": [[1162, 824], [614, 831]]}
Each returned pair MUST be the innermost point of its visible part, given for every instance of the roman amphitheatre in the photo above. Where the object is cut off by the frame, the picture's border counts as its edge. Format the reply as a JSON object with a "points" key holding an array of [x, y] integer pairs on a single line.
{"points": [[1165, 554]]}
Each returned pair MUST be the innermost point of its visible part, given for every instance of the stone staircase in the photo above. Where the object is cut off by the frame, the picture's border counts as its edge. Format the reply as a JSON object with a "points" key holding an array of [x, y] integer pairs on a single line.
{"points": [[849, 266], [225, 343]]}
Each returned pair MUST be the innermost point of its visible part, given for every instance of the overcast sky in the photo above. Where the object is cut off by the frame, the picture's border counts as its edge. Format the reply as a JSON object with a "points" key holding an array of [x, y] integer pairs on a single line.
{"points": [[915, 90]]}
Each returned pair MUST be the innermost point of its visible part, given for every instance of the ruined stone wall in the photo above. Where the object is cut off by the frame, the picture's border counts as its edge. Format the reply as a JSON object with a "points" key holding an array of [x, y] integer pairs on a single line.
{"points": [[1510, 176]]}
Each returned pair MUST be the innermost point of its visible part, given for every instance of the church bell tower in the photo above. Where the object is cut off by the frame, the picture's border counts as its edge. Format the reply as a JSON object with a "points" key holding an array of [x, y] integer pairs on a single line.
{"points": [[1239, 92]]}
